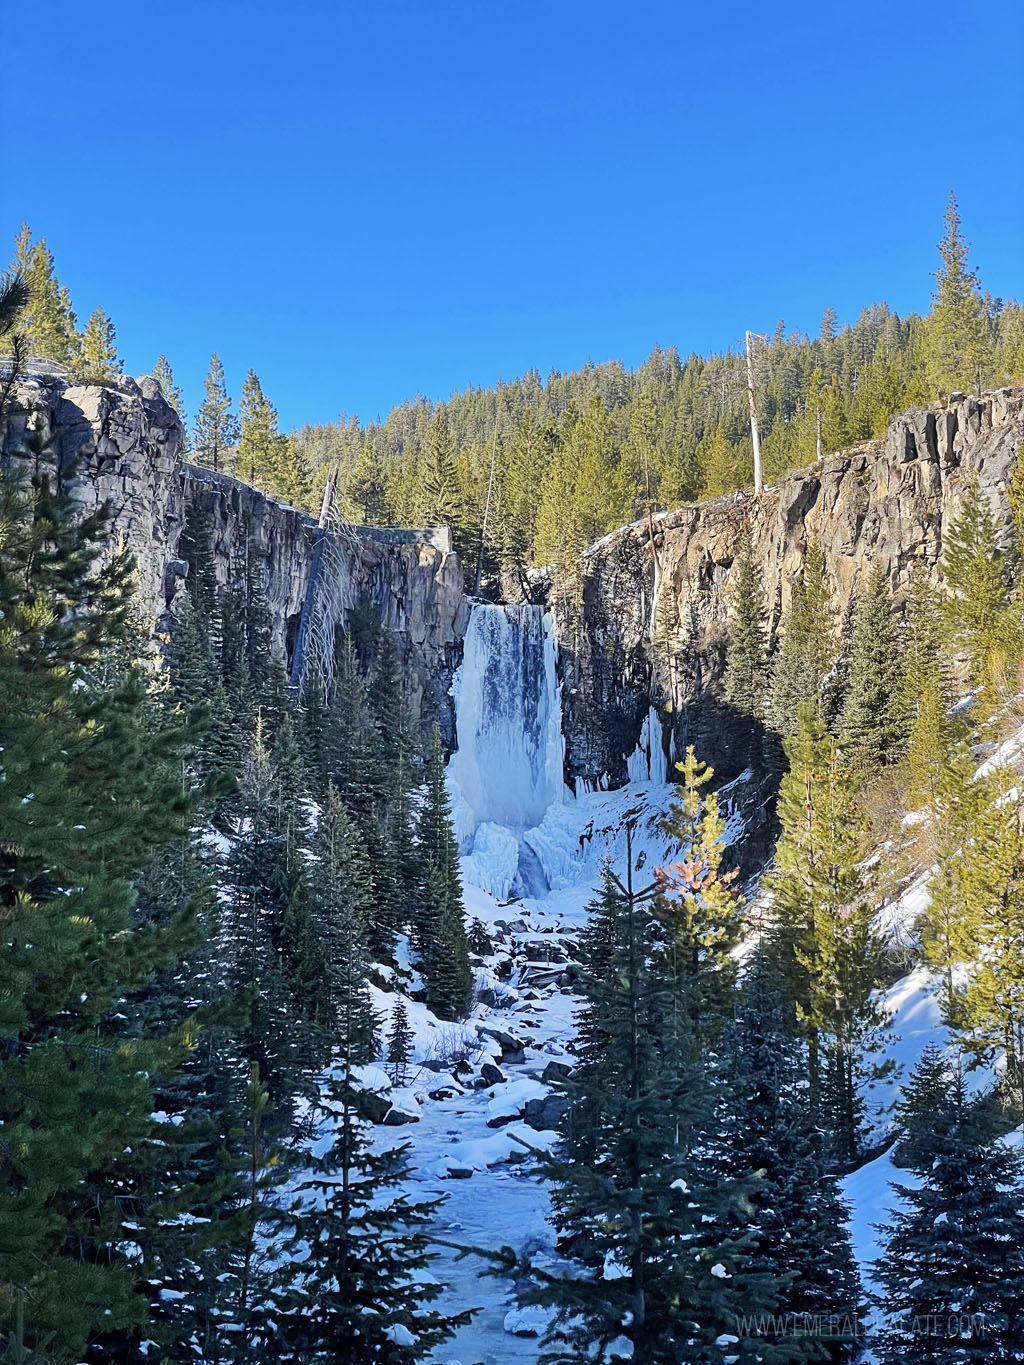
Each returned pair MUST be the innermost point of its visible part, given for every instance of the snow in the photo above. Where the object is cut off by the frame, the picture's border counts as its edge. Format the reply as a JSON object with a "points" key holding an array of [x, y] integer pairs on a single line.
{"points": [[527, 1322], [532, 854]]}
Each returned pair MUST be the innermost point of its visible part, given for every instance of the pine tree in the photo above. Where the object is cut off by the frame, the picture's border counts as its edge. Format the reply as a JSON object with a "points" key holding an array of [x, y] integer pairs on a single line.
{"points": [[823, 938], [722, 469], [697, 906], [91, 790], [96, 361], [957, 346], [440, 501], [806, 653], [399, 1042], [216, 428], [952, 1262], [265, 457], [922, 643], [365, 1293], [48, 324], [873, 724], [746, 669], [440, 926], [636, 1200], [341, 892], [767, 1126], [163, 375], [260, 888], [975, 917], [932, 735], [972, 565]]}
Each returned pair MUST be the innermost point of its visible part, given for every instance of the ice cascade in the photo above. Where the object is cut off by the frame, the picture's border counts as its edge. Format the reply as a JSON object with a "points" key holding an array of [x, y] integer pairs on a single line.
{"points": [[508, 769]]}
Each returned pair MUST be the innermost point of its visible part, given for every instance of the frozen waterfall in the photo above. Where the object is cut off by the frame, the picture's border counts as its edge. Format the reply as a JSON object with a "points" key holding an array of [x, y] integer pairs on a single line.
{"points": [[507, 770]]}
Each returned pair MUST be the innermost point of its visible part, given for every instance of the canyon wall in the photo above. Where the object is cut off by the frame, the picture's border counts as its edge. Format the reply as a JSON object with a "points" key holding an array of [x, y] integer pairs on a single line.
{"points": [[121, 446], [628, 642], [629, 638]]}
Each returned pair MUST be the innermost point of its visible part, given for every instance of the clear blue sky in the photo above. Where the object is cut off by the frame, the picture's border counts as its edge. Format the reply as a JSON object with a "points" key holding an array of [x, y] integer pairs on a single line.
{"points": [[366, 200]]}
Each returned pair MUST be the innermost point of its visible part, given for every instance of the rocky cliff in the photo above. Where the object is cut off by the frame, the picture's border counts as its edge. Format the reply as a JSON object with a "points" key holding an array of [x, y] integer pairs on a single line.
{"points": [[633, 638], [121, 446]]}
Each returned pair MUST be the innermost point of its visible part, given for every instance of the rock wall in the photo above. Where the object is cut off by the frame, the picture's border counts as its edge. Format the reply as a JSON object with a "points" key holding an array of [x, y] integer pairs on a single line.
{"points": [[627, 642], [120, 446]]}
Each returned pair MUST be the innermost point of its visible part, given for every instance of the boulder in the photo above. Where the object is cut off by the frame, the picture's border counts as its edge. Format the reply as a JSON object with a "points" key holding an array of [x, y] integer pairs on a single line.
{"points": [[546, 1113], [555, 1071], [398, 1115]]}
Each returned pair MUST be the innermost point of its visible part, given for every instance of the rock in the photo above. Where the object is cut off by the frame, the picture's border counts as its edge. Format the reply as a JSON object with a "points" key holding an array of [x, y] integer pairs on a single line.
{"points": [[491, 1074], [127, 441], [375, 1106], [885, 504], [512, 1049], [546, 1113], [446, 1092], [556, 1071], [434, 1064], [398, 1115], [460, 1172]]}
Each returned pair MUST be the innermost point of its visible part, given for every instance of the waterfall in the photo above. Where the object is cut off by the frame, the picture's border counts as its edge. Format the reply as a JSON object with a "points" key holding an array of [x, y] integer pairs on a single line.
{"points": [[507, 770]]}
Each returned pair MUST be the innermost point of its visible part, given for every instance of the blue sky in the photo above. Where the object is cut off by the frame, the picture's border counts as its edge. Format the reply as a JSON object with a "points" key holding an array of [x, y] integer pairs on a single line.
{"points": [[366, 201]]}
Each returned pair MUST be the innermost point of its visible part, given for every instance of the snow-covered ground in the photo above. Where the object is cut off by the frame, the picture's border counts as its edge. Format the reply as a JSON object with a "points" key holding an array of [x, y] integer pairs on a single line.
{"points": [[532, 858], [470, 1142]]}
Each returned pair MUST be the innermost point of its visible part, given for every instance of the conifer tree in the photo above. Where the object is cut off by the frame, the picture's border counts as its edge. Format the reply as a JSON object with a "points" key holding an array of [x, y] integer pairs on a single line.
{"points": [[746, 669], [216, 428], [368, 489], [972, 565], [932, 736], [399, 1041], [806, 653], [922, 643], [96, 360], [768, 1127], [722, 469], [636, 1199], [975, 917], [164, 376], [48, 322], [873, 724], [823, 939], [952, 1262], [265, 457], [366, 1293], [440, 500], [341, 892], [91, 790], [957, 346], [697, 906], [260, 889], [440, 927]]}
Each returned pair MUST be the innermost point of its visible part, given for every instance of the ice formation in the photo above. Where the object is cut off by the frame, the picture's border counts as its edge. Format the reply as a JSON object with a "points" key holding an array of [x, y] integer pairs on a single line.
{"points": [[507, 771]]}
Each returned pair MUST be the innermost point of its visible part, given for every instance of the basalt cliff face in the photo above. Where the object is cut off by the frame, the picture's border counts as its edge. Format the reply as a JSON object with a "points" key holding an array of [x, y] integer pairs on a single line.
{"points": [[634, 638], [121, 446]]}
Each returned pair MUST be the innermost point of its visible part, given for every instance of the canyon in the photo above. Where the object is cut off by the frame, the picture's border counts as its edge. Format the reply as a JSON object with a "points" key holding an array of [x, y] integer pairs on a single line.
{"points": [[645, 624]]}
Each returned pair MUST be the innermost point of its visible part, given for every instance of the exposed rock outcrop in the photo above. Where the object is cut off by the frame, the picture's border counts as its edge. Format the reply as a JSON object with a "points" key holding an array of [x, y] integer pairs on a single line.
{"points": [[628, 643], [121, 446]]}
